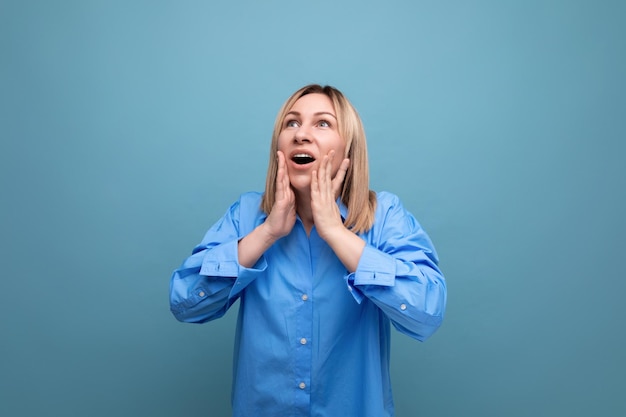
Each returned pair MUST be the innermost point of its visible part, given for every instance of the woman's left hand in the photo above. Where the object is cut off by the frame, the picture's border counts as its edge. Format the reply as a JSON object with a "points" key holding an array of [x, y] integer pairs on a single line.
{"points": [[324, 193]]}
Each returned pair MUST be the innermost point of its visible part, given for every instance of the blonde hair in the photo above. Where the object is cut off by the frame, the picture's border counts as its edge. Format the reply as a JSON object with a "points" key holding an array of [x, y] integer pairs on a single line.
{"points": [[355, 193]]}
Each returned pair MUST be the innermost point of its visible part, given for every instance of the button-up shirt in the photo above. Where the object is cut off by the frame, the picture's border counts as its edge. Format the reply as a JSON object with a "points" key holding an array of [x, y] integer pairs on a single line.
{"points": [[312, 338]]}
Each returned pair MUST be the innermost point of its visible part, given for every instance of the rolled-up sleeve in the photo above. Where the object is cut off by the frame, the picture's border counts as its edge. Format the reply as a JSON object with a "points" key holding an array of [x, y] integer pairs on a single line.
{"points": [[398, 271], [210, 280]]}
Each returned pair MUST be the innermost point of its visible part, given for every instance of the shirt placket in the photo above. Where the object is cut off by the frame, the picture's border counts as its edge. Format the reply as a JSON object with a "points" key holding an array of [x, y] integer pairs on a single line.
{"points": [[303, 342]]}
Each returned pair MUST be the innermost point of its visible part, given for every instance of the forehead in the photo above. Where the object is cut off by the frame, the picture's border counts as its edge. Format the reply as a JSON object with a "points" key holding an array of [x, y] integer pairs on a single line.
{"points": [[313, 103]]}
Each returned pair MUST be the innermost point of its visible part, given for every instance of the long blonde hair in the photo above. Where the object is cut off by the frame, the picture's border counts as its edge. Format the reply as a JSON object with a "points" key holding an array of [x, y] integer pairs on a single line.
{"points": [[355, 193]]}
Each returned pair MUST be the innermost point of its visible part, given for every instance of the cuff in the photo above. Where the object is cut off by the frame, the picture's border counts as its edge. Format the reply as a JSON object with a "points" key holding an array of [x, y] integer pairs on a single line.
{"points": [[375, 268]]}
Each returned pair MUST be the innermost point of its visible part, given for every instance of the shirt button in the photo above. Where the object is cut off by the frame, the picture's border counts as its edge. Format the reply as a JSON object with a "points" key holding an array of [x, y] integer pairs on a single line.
{"points": [[305, 297], [303, 341], [201, 293], [402, 306], [302, 385]]}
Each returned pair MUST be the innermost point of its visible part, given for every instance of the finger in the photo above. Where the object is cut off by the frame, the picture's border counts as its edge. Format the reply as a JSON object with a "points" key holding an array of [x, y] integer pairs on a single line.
{"points": [[340, 176], [314, 183], [280, 171], [325, 172], [329, 168], [317, 177], [282, 177]]}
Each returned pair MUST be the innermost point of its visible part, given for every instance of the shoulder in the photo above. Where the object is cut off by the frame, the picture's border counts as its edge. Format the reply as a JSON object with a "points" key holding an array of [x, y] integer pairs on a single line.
{"points": [[386, 200], [249, 203], [251, 197], [391, 211], [248, 211]]}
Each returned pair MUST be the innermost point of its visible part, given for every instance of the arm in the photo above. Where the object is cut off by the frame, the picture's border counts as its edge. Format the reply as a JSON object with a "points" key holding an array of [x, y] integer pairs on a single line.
{"points": [[398, 272], [325, 190], [394, 265], [231, 255], [211, 279], [278, 223]]}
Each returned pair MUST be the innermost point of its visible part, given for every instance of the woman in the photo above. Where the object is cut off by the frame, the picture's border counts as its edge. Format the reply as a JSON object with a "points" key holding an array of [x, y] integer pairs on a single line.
{"points": [[321, 266]]}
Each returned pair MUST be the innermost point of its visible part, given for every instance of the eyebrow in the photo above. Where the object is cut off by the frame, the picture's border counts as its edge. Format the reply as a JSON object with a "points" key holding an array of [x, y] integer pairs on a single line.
{"points": [[320, 113]]}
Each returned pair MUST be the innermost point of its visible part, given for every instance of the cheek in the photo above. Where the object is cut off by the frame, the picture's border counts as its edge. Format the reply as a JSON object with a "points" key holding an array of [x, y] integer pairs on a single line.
{"points": [[281, 142], [341, 147], [341, 152], [336, 165]]}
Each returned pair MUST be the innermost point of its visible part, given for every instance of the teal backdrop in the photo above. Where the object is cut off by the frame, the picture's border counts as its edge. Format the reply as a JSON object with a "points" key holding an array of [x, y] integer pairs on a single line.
{"points": [[128, 127]]}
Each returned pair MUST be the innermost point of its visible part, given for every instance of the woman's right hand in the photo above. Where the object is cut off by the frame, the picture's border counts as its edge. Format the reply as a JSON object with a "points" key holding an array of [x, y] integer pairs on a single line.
{"points": [[278, 223], [281, 219]]}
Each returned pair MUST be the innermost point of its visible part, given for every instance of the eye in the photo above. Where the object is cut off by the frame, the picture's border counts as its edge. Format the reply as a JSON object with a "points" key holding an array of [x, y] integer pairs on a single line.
{"points": [[323, 123], [291, 123]]}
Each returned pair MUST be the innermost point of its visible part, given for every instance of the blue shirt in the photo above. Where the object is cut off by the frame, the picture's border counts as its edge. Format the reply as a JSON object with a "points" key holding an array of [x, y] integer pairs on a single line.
{"points": [[313, 339]]}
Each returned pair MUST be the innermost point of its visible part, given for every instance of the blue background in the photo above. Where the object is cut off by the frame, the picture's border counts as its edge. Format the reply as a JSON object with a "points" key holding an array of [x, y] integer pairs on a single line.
{"points": [[128, 127]]}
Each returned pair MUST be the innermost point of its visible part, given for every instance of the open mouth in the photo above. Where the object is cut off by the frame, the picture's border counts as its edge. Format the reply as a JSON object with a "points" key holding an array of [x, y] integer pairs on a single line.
{"points": [[302, 158]]}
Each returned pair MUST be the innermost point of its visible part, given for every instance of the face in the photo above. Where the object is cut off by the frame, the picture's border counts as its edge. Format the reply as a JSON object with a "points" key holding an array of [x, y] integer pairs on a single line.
{"points": [[309, 132]]}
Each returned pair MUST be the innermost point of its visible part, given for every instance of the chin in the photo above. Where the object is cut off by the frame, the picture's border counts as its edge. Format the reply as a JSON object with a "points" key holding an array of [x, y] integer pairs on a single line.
{"points": [[301, 184]]}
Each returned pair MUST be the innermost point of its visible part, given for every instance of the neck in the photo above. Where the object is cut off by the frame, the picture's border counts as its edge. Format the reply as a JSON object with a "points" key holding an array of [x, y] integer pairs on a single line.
{"points": [[303, 208]]}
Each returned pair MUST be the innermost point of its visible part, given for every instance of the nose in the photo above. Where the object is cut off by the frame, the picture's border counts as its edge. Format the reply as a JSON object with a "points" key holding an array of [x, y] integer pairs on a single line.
{"points": [[302, 135]]}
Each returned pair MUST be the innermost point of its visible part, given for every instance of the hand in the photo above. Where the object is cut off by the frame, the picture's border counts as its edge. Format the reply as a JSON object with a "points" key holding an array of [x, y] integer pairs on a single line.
{"points": [[324, 193], [282, 217]]}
